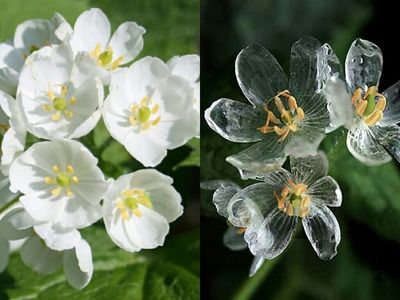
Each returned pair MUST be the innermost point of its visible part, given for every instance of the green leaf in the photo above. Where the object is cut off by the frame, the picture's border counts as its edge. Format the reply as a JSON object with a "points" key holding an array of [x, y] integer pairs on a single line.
{"points": [[150, 274], [193, 160]]}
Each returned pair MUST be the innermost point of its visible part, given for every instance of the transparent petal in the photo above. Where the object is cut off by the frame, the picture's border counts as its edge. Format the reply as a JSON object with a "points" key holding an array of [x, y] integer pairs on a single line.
{"points": [[363, 145], [235, 121], [272, 237], [256, 264], [328, 66], [323, 231], [262, 157], [389, 138], [309, 169], [303, 66], [326, 191], [304, 143], [276, 178], [234, 240], [259, 74], [222, 195], [363, 64], [316, 114], [391, 114]]}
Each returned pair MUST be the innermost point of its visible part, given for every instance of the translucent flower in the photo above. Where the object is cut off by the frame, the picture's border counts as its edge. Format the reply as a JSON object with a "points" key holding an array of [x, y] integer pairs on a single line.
{"points": [[48, 247], [188, 67], [147, 110], [58, 95], [370, 116], [92, 34], [138, 207], [283, 199], [285, 118], [29, 36], [61, 183]]}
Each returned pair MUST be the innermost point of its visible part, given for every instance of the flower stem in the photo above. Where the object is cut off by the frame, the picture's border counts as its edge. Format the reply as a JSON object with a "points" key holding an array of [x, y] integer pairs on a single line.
{"points": [[250, 285], [9, 204]]}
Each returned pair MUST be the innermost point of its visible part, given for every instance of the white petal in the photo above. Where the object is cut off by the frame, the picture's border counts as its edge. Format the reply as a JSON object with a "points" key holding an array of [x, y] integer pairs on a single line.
{"points": [[16, 224], [186, 66], [39, 258], [8, 80], [326, 191], [91, 28], [10, 57], [13, 145], [78, 265], [127, 41], [34, 34], [4, 252], [323, 231], [43, 207], [224, 191], [256, 264], [56, 237], [309, 169]]}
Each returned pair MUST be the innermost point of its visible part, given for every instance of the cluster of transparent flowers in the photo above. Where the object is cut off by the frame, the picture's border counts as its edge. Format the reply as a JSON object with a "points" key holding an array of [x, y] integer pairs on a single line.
{"points": [[290, 118], [53, 79]]}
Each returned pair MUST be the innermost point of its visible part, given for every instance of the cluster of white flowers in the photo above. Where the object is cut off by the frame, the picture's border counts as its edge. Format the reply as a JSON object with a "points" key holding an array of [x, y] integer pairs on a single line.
{"points": [[53, 78], [290, 118]]}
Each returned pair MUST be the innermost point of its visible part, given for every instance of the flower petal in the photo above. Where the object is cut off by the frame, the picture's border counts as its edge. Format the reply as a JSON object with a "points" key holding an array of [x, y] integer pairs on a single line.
{"points": [[224, 191], [363, 146], [259, 75], [262, 157], [186, 66], [233, 239], [309, 169], [303, 66], [8, 80], [256, 264], [326, 191], [39, 258], [235, 121], [56, 237], [34, 34], [363, 65], [16, 224], [323, 231], [391, 114], [78, 265], [127, 41]]}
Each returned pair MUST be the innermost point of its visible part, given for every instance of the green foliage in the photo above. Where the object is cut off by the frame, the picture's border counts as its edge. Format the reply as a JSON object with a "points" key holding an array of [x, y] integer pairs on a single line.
{"points": [[193, 160]]}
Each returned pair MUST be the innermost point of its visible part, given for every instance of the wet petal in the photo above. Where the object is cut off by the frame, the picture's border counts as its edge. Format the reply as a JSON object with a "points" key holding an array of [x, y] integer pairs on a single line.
{"points": [[256, 264], [259, 75], [389, 138], [391, 114], [323, 231], [326, 191], [310, 168], [235, 121], [223, 194], [233, 239], [303, 66], [363, 146], [262, 157], [363, 64], [328, 65]]}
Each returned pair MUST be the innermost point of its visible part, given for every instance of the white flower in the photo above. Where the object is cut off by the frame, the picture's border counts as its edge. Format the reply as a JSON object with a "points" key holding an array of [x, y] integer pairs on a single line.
{"points": [[188, 67], [58, 94], [29, 36], [61, 183], [48, 247], [92, 34], [147, 110], [138, 207]]}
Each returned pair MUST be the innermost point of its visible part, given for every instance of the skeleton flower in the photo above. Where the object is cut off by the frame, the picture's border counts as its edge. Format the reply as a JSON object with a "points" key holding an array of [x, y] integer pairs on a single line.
{"points": [[48, 247], [58, 95], [283, 199], [91, 34], [370, 116], [29, 36], [61, 183], [188, 67], [147, 110], [138, 207], [285, 118]]}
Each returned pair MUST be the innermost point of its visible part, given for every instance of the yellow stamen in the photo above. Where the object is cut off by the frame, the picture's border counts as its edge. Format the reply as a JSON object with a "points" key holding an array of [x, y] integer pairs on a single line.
{"points": [[70, 169], [373, 118], [55, 192], [75, 179], [49, 180], [56, 117], [55, 169], [69, 114], [116, 63]]}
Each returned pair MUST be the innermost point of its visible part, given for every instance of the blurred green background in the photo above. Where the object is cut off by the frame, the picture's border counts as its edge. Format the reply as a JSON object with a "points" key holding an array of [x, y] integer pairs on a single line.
{"points": [[366, 265], [170, 272]]}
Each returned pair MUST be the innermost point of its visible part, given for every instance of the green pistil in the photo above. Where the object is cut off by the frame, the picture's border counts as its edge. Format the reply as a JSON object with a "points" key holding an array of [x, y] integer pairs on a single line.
{"points": [[63, 180], [295, 200], [60, 103], [144, 114], [370, 104], [106, 57]]}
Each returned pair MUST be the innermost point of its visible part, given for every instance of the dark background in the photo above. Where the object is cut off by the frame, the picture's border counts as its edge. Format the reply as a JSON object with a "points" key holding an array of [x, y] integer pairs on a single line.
{"points": [[366, 266]]}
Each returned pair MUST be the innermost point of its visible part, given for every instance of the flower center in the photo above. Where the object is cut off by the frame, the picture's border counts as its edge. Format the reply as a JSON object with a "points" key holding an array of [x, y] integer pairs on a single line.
{"points": [[293, 199], [59, 104], [62, 180], [105, 59], [369, 105], [144, 115], [128, 205], [288, 119]]}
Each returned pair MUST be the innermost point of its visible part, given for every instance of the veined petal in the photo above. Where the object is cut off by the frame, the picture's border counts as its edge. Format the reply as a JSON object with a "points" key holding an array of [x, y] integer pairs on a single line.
{"points": [[328, 65], [363, 146], [256, 264], [391, 114], [262, 157], [235, 121], [309, 169], [259, 75], [363, 65], [127, 41], [303, 66], [326, 191], [224, 191], [389, 138], [233, 239], [322, 230]]}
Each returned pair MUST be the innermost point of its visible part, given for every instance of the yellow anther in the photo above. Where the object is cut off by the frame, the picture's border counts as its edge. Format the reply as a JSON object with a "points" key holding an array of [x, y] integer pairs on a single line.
{"points": [[49, 180], [96, 51], [292, 103], [155, 109], [156, 121], [70, 169], [361, 107], [55, 192], [56, 117], [300, 113], [64, 90], [69, 193], [279, 104], [50, 94], [69, 114], [356, 96], [75, 179], [125, 214], [127, 193], [374, 118], [146, 126], [116, 63], [370, 106], [47, 108], [137, 212], [279, 131], [273, 118], [145, 101], [133, 120], [381, 104], [55, 169], [72, 101]]}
